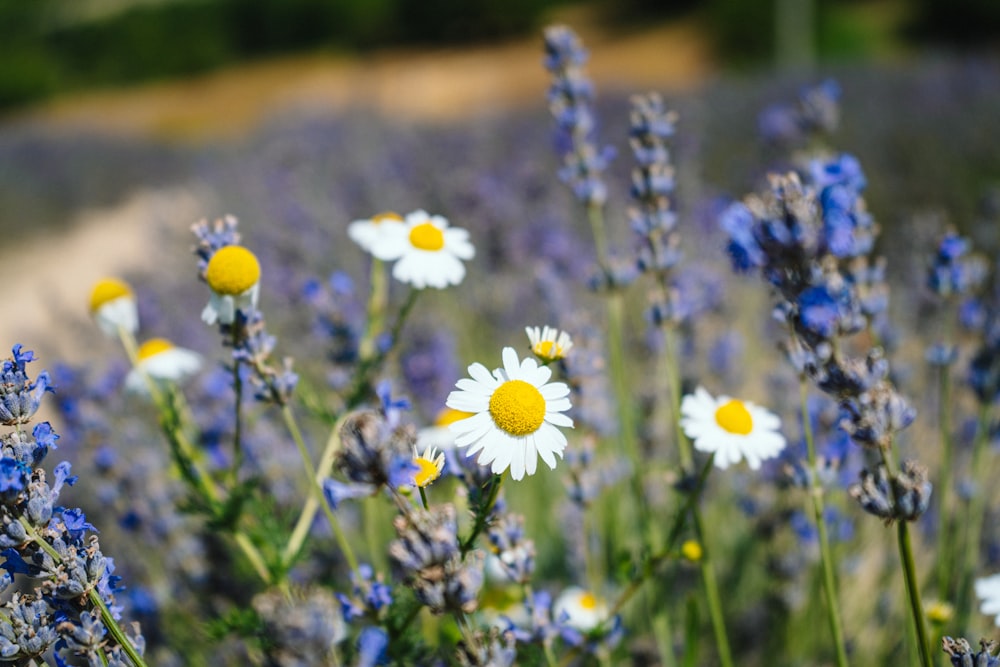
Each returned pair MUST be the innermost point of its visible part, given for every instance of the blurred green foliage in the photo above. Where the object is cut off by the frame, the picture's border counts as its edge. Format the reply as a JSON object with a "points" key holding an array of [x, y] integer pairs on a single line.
{"points": [[42, 51], [47, 46]]}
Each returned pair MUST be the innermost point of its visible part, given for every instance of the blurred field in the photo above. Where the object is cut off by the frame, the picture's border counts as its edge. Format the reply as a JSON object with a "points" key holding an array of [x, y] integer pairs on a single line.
{"points": [[423, 85]]}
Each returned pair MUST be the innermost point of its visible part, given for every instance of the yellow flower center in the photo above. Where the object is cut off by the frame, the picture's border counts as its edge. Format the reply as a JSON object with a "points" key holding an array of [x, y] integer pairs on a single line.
{"points": [[588, 601], [517, 407], [450, 416], [153, 347], [939, 612], [426, 236], [547, 349], [691, 550], [734, 417], [387, 216], [107, 290], [428, 471], [232, 270]]}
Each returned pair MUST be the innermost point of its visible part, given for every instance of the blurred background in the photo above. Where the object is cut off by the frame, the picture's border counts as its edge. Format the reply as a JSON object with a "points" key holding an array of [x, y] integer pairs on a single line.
{"points": [[119, 118]]}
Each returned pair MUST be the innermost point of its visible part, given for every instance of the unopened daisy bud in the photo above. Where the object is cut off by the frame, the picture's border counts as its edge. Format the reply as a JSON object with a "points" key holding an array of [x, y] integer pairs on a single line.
{"points": [[692, 551], [548, 343], [161, 361], [579, 609], [430, 464], [939, 612], [367, 232], [233, 274], [113, 307]]}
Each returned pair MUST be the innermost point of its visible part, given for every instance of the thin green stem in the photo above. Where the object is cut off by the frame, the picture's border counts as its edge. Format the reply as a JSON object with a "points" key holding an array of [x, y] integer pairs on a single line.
{"points": [[977, 512], [316, 491], [109, 621], [483, 514], [595, 216], [945, 538], [826, 554], [368, 365], [684, 448], [423, 497], [909, 570], [378, 298], [312, 504], [712, 593]]}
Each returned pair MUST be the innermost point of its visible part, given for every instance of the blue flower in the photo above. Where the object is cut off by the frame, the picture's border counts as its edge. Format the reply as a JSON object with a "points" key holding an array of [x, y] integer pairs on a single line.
{"points": [[744, 251], [373, 644], [76, 524], [13, 477]]}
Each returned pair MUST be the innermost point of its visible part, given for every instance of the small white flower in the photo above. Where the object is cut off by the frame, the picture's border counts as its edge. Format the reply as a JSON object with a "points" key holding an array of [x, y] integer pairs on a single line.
{"points": [[161, 361], [367, 232], [429, 253], [439, 436], [731, 428], [515, 414], [988, 591], [233, 274], [579, 609], [549, 344], [113, 306]]}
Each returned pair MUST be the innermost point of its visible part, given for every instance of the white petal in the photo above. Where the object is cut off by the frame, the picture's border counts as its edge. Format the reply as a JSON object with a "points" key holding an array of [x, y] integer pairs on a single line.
{"points": [[554, 390], [558, 419], [530, 454], [517, 459], [511, 364]]}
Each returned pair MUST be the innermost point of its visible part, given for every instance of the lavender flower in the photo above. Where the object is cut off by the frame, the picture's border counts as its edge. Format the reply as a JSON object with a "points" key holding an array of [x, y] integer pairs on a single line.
{"points": [[571, 98], [426, 557]]}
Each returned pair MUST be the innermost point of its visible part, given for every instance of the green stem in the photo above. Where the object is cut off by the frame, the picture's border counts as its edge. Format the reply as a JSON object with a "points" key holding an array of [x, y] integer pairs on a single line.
{"points": [[712, 593], [312, 504], [909, 570], [483, 514], [423, 496], [368, 365], [378, 298], [316, 491], [674, 374], [109, 621], [197, 475], [826, 554], [945, 538]]}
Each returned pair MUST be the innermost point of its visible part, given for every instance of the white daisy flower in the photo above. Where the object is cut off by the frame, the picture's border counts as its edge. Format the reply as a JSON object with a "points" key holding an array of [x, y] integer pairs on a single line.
{"points": [[429, 252], [548, 343], [579, 609], [731, 428], [430, 465], [516, 412], [113, 306], [160, 360], [439, 436], [988, 591], [367, 232], [233, 274]]}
